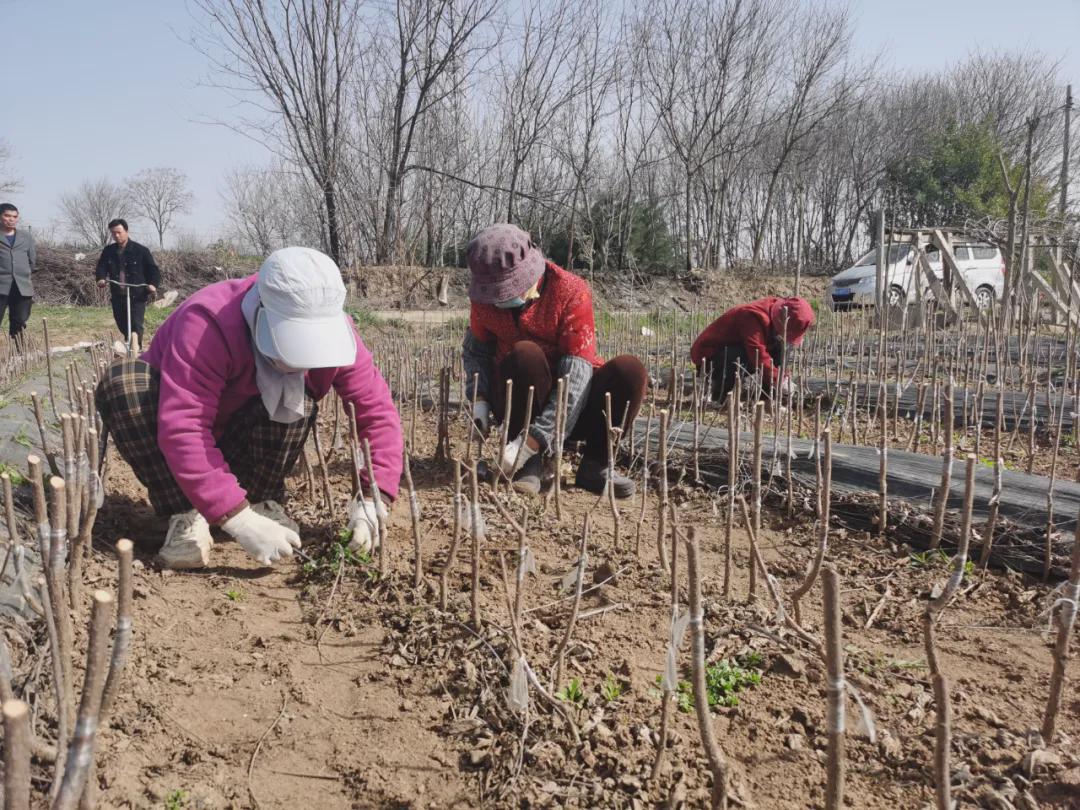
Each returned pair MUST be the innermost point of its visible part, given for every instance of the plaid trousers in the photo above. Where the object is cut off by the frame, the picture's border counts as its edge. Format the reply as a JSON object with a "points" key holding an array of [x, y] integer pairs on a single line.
{"points": [[258, 451]]}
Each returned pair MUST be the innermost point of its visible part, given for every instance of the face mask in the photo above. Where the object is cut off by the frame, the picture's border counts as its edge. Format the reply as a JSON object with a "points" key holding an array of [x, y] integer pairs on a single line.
{"points": [[511, 303]]}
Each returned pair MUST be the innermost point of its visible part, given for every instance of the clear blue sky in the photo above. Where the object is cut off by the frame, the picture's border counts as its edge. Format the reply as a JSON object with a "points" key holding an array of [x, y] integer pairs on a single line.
{"points": [[105, 89]]}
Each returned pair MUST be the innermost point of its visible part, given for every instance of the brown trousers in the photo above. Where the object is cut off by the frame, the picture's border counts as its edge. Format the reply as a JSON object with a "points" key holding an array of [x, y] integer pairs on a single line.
{"points": [[624, 377]]}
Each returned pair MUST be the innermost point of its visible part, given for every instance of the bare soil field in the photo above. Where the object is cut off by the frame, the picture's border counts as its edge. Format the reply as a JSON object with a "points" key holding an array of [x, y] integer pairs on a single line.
{"points": [[336, 686]]}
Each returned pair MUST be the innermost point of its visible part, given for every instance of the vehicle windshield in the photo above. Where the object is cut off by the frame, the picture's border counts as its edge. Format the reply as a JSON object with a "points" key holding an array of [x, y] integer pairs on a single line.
{"points": [[896, 254]]}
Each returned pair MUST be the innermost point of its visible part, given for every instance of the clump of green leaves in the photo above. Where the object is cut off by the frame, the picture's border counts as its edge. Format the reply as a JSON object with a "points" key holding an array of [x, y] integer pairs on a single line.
{"points": [[936, 558], [234, 595], [572, 692], [723, 681], [611, 689], [329, 561], [17, 478], [176, 800]]}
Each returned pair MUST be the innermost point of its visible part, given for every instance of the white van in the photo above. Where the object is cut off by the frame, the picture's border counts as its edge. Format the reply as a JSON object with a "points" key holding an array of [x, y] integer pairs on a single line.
{"points": [[980, 264]]}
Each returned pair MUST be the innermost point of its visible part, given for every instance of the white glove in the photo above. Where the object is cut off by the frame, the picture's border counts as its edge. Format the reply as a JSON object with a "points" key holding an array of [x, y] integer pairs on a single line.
{"points": [[264, 539], [481, 415], [364, 515], [512, 459], [787, 387]]}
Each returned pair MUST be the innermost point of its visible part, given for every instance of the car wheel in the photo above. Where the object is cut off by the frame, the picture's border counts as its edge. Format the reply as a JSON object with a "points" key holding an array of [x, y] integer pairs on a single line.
{"points": [[984, 298], [895, 297]]}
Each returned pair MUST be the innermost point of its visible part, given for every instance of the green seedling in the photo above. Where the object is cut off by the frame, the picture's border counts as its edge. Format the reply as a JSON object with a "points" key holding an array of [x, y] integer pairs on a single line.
{"points": [[17, 478], [611, 689], [337, 554], [176, 800], [572, 692], [935, 558], [234, 595], [23, 438], [723, 681]]}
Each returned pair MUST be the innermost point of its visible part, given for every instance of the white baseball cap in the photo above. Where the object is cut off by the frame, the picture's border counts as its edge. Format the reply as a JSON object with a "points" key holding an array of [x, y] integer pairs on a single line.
{"points": [[301, 321]]}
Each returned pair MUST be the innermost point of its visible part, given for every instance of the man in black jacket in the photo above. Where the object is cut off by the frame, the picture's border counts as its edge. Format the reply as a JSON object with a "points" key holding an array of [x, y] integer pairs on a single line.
{"points": [[127, 262], [17, 257]]}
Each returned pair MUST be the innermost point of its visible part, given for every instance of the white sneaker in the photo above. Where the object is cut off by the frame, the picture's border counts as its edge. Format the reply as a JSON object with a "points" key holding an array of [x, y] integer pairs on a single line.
{"points": [[276, 512], [188, 543]]}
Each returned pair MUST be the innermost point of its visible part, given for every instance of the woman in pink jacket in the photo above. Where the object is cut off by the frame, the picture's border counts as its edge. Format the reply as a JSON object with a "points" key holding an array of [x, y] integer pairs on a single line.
{"points": [[214, 416]]}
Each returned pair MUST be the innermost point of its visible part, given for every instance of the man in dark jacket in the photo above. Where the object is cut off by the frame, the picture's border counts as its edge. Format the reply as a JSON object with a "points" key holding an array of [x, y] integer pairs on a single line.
{"points": [[17, 258], [125, 261]]}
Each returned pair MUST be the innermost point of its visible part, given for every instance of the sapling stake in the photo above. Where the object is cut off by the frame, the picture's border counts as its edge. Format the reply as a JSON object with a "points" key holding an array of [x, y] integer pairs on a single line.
{"points": [[661, 512], [835, 689], [946, 471], [644, 482], [17, 736], [82, 541], [755, 489], [560, 430], [934, 607], [732, 479], [665, 705], [616, 518], [324, 473], [39, 417], [883, 463], [455, 538], [576, 605], [477, 538], [55, 578], [824, 500], [717, 763], [414, 514], [995, 496], [1066, 608], [376, 498], [49, 369], [122, 640], [82, 743], [117, 661], [354, 450]]}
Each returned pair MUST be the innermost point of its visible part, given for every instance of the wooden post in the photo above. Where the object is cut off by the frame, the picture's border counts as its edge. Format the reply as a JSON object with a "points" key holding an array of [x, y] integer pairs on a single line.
{"points": [[717, 762], [835, 691], [1066, 607]]}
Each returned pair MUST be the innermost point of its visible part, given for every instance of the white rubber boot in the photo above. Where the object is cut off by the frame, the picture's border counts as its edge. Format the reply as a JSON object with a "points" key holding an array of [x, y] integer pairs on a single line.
{"points": [[188, 543]]}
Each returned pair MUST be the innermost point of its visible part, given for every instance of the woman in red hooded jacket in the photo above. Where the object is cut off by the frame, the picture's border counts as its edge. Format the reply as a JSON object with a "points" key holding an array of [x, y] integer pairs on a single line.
{"points": [[750, 336]]}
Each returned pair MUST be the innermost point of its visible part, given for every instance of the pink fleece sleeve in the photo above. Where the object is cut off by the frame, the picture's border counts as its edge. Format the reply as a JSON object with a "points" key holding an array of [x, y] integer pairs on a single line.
{"points": [[376, 417], [194, 368]]}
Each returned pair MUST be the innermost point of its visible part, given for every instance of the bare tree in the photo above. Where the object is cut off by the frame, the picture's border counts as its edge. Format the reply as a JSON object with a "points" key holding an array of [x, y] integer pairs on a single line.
{"points": [[537, 83], [159, 195], [9, 181], [88, 210], [272, 207], [706, 67], [298, 58], [428, 52], [816, 48]]}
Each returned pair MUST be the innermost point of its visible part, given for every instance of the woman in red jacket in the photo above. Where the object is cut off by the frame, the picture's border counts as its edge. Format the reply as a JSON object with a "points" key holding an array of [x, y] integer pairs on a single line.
{"points": [[751, 336], [532, 322]]}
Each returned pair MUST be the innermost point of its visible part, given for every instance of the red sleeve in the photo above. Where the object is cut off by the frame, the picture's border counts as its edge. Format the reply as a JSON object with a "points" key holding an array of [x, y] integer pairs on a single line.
{"points": [[376, 417], [577, 327], [477, 327]]}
